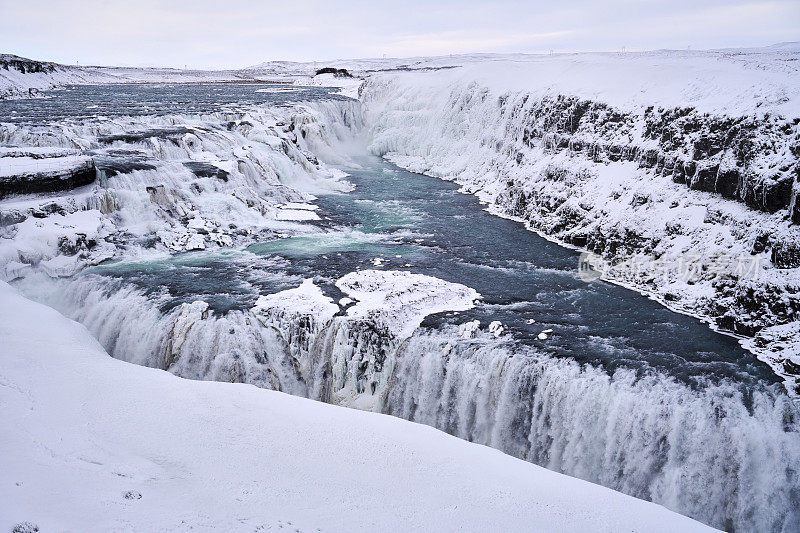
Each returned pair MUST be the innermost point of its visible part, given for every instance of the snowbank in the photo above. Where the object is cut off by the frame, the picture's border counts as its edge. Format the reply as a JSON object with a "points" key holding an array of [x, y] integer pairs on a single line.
{"points": [[95, 444]]}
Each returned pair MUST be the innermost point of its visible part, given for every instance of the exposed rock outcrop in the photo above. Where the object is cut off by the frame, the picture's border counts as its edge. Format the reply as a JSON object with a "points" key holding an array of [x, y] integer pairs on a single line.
{"points": [[38, 170]]}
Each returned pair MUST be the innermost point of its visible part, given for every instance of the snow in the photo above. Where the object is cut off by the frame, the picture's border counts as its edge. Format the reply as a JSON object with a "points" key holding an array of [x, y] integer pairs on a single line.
{"points": [[16, 166], [307, 299], [299, 205], [469, 330], [496, 328], [296, 214], [98, 444], [40, 239], [400, 300], [16, 84], [397, 300], [347, 86], [729, 80]]}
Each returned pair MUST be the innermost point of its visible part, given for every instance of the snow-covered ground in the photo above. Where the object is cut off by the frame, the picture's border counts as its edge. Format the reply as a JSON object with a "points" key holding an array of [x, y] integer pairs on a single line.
{"points": [[94, 444], [24, 78]]}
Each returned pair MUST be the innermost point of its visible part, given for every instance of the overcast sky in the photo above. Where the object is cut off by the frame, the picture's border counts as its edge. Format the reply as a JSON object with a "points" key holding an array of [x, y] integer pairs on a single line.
{"points": [[239, 33]]}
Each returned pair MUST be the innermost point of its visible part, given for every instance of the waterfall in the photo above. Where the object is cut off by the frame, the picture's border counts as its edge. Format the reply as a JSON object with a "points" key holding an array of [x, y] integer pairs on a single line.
{"points": [[716, 453], [725, 456], [711, 453]]}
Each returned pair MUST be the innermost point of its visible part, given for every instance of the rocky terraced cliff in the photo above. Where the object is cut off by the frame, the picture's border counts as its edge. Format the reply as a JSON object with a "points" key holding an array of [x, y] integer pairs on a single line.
{"points": [[678, 170], [38, 170]]}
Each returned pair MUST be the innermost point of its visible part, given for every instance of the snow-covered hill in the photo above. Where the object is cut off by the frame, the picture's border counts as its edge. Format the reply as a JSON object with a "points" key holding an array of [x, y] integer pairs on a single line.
{"points": [[95, 444], [21, 77]]}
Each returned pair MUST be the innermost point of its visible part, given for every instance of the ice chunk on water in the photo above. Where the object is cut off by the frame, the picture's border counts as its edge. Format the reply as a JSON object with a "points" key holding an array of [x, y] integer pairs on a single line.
{"points": [[469, 330], [496, 328]]}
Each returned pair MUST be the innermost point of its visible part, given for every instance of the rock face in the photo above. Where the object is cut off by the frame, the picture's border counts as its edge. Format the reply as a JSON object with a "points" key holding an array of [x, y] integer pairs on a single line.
{"points": [[338, 72], [38, 170], [697, 206], [25, 66], [749, 159]]}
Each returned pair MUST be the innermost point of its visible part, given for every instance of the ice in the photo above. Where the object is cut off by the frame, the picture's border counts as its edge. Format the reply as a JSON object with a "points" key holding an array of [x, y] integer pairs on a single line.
{"points": [[496, 328], [468, 330]]}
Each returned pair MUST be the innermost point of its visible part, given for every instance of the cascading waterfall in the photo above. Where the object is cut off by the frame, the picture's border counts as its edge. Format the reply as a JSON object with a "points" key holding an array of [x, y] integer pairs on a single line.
{"points": [[188, 340], [713, 453]]}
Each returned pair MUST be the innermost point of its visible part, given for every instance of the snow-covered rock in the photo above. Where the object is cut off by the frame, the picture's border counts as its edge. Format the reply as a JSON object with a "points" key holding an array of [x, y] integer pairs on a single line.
{"points": [[496, 328], [400, 300], [37, 170], [306, 300], [469, 330]]}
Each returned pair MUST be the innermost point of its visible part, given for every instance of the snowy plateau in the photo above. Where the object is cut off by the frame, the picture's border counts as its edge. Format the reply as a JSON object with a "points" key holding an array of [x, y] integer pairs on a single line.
{"points": [[196, 335]]}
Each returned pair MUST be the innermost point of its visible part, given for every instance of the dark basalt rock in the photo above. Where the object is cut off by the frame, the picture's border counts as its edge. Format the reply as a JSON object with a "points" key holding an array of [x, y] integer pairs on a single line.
{"points": [[785, 255], [138, 136], [767, 193], [338, 72], [54, 181], [727, 183], [706, 152], [206, 170], [25, 66], [794, 206]]}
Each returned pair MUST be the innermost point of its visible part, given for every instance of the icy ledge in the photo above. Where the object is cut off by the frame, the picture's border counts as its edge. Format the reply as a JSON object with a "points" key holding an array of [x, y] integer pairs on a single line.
{"points": [[94, 449], [393, 300], [401, 300]]}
